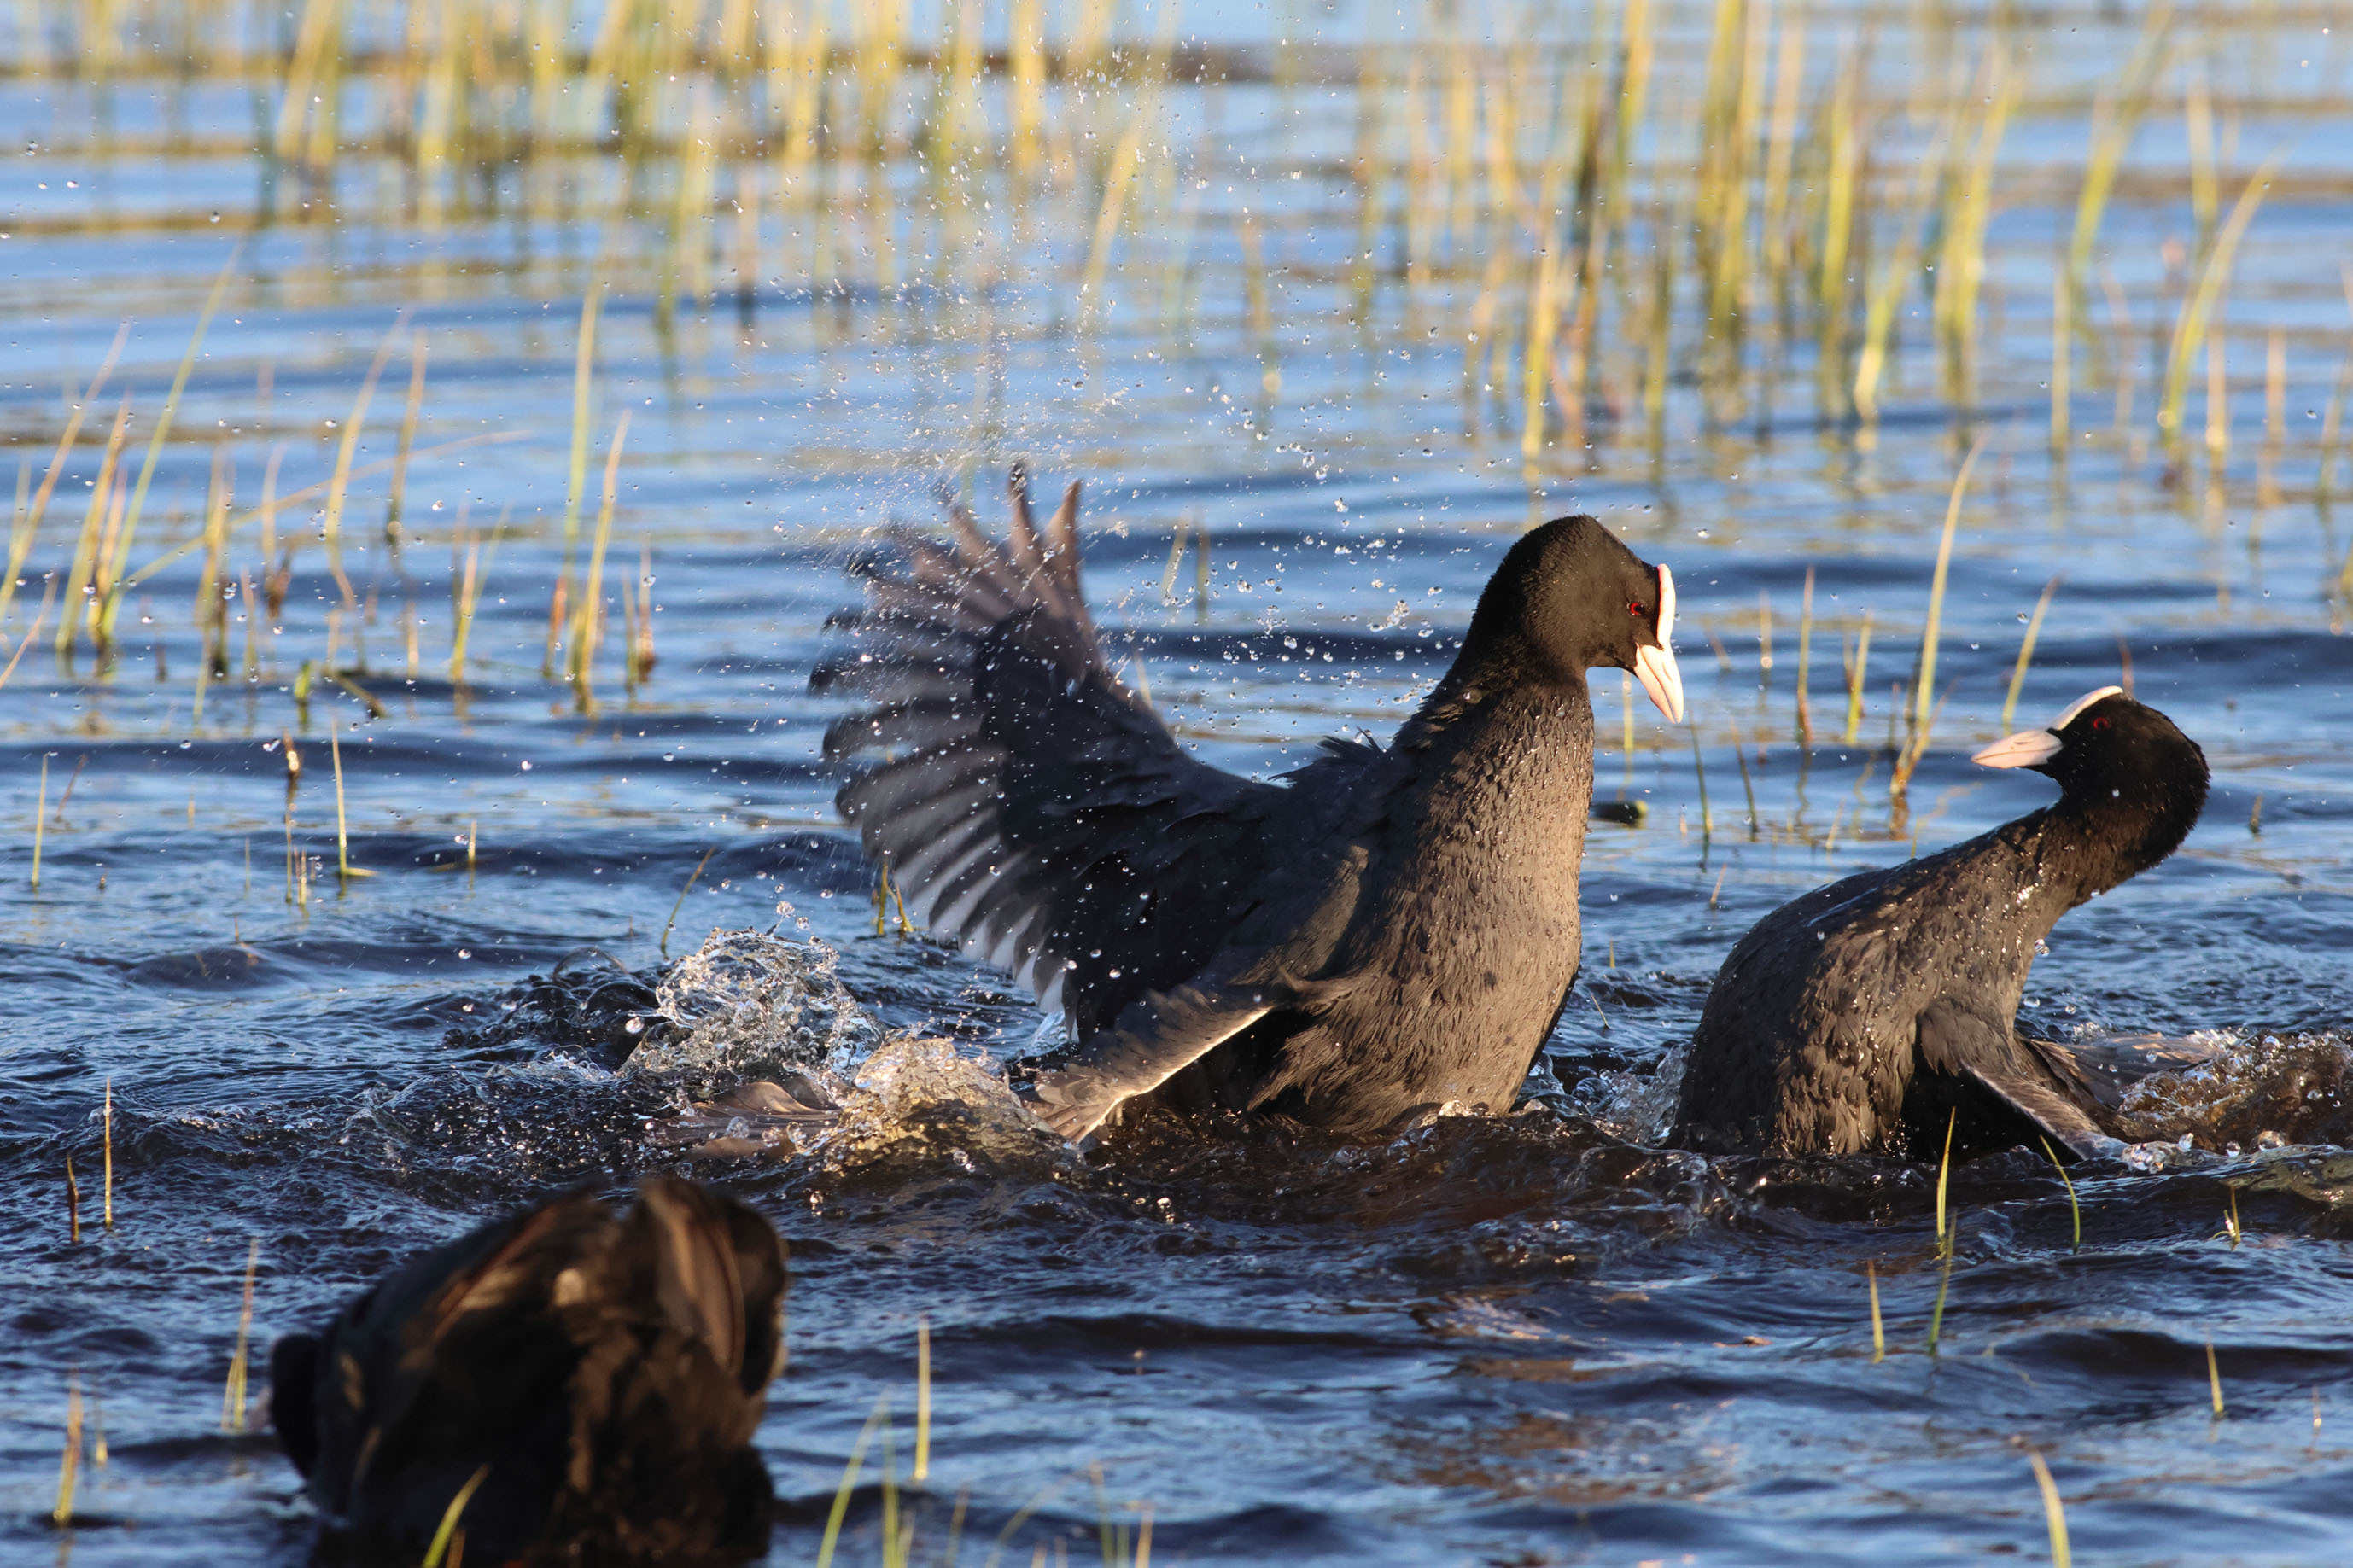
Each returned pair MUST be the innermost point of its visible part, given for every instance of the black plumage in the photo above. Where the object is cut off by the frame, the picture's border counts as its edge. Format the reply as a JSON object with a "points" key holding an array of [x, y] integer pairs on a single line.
{"points": [[1874, 1013], [602, 1374], [1384, 930]]}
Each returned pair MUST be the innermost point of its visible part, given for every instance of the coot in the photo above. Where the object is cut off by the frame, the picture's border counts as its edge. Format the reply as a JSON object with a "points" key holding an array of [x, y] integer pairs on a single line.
{"points": [[1384, 930], [594, 1378], [1872, 1014]]}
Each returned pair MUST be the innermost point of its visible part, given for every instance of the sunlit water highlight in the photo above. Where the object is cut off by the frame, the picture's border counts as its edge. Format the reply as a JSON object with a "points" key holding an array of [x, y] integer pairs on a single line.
{"points": [[1532, 1339]]}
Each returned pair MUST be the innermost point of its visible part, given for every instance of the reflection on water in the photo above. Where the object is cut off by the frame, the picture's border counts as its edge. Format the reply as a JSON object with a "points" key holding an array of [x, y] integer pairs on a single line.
{"points": [[1322, 309]]}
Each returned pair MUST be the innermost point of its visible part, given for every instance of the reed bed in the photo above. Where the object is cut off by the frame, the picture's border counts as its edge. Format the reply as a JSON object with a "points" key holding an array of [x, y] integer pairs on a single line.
{"points": [[1630, 221], [1493, 174]]}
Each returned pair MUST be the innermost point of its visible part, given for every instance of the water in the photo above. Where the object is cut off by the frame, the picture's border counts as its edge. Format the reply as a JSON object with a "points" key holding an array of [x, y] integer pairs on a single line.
{"points": [[1531, 1339]]}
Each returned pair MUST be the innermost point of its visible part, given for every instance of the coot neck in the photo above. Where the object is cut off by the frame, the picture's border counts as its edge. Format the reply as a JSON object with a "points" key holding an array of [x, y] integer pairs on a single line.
{"points": [[1492, 678], [2093, 840]]}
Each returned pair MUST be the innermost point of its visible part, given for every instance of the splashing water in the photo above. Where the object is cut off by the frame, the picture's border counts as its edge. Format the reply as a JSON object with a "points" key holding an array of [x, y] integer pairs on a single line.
{"points": [[2258, 1091], [1635, 1104], [920, 1104], [748, 1004]]}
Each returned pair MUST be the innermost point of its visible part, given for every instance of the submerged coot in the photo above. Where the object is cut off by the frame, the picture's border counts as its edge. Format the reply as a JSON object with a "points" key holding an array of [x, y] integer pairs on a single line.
{"points": [[1387, 930], [1868, 1014], [594, 1378]]}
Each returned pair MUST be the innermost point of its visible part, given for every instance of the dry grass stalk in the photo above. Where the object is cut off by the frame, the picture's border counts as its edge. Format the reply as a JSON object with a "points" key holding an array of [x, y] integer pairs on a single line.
{"points": [[345, 869], [1124, 159], [233, 1396], [692, 878], [211, 610], [408, 437], [2054, 1513], [2218, 395], [1878, 1328], [48, 597], [118, 557], [1842, 180], [69, 1465], [923, 1468], [29, 517], [1805, 659], [2115, 122], [331, 525], [1924, 706], [2062, 364], [1886, 292], [1257, 289], [80, 598], [40, 817], [588, 618], [641, 636], [849, 1485], [2189, 327], [1960, 271], [1699, 771], [2026, 652]]}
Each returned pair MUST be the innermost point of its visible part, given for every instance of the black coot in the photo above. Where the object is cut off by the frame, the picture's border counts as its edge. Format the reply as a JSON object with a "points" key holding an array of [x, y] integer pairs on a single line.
{"points": [[595, 1377], [1384, 931], [1868, 1014]]}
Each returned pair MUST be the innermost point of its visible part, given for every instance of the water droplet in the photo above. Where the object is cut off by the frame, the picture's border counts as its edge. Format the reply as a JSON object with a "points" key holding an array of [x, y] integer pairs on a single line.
{"points": [[465, 952], [635, 1026]]}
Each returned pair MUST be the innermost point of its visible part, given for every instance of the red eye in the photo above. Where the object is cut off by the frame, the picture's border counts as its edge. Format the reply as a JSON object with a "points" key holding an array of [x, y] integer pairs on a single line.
{"points": [[1634, 608], [2099, 723]]}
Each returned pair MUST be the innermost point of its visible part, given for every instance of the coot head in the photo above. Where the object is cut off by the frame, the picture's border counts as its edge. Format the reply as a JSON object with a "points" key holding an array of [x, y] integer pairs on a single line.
{"points": [[2117, 759], [1569, 598]]}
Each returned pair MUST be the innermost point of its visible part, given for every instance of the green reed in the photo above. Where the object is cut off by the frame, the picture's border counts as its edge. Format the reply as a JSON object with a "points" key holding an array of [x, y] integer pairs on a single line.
{"points": [[2054, 1513]]}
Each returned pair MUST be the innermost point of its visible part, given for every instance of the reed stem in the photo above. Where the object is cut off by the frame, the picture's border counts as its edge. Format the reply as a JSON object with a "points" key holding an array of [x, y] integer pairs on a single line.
{"points": [[923, 1401], [2054, 1513], [2026, 652], [1805, 660], [1924, 687], [1944, 1172], [233, 1396], [2190, 326], [682, 892], [2074, 1207], [40, 817], [70, 1464], [1878, 1328]]}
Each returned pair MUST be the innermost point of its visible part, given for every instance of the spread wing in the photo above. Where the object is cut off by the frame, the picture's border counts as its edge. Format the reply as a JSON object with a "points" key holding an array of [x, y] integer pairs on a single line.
{"points": [[1024, 800], [1966, 1044], [1155, 1037]]}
